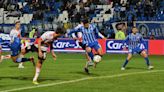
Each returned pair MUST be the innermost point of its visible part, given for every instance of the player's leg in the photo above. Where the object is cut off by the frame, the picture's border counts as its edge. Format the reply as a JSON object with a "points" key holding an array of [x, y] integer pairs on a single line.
{"points": [[98, 48], [89, 61], [24, 45], [145, 55], [90, 54], [126, 61], [3, 57], [18, 59], [37, 71], [38, 68], [87, 57], [22, 56]]}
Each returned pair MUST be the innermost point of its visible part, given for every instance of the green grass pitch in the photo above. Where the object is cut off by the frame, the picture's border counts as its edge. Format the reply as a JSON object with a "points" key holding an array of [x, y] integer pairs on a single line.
{"points": [[67, 75]]}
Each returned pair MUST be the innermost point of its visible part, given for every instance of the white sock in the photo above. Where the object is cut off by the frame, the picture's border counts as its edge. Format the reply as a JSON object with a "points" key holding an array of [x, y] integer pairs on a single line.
{"points": [[21, 56], [21, 64], [36, 74]]}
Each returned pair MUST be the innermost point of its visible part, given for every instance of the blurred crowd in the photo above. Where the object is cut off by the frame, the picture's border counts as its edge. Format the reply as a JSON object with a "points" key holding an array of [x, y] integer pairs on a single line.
{"points": [[124, 10]]}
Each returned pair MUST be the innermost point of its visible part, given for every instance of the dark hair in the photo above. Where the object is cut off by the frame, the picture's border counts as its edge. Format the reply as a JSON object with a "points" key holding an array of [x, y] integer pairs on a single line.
{"points": [[60, 31], [134, 27], [16, 22], [85, 21]]}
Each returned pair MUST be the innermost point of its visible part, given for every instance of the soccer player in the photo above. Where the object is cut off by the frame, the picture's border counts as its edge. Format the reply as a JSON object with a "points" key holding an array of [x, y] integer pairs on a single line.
{"points": [[41, 45], [87, 34], [134, 41], [17, 48], [16, 32], [75, 36]]}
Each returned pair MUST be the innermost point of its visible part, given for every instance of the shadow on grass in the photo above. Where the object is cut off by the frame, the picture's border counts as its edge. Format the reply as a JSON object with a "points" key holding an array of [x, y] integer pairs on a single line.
{"points": [[29, 78], [135, 68], [13, 66], [84, 73]]}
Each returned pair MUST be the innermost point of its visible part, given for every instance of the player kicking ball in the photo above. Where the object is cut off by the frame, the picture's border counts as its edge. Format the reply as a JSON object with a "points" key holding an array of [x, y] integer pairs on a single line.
{"points": [[41, 45], [87, 35], [74, 35], [134, 42]]}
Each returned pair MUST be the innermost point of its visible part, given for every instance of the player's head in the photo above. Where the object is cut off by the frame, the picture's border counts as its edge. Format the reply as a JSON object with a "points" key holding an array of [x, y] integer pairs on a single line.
{"points": [[17, 24], [59, 32], [134, 30], [85, 23]]}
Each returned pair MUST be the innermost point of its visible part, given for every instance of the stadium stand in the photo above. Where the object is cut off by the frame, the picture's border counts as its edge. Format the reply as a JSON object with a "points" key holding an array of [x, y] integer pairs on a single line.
{"points": [[48, 14]]}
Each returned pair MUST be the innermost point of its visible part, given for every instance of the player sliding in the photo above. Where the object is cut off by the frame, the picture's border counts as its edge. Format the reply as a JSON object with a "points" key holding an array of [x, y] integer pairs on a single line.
{"points": [[17, 47], [134, 41], [41, 45], [87, 36], [16, 32]]}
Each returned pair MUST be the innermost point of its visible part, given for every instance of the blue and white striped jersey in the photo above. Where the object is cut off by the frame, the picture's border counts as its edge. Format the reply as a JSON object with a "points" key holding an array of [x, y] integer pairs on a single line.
{"points": [[134, 40], [89, 35]]}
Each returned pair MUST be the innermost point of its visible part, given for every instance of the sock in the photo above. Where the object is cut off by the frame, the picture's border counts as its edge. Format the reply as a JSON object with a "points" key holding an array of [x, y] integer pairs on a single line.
{"points": [[91, 55], [126, 62], [147, 61], [21, 56], [25, 59], [21, 64], [22, 60], [36, 74]]}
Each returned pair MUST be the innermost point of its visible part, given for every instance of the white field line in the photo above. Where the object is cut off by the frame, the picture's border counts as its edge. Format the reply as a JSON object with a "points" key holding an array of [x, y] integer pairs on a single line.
{"points": [[78, 80]]}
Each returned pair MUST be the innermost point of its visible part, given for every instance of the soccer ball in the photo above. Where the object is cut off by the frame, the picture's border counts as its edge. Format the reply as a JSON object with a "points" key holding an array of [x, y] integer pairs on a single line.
{"points": [[97, 58]]}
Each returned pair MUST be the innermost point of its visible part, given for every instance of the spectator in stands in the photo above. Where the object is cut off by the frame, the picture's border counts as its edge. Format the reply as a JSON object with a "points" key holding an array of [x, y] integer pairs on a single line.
{"points": [[1, 30], [32, 34], [109, 32], [120, 35], [117, 10]]}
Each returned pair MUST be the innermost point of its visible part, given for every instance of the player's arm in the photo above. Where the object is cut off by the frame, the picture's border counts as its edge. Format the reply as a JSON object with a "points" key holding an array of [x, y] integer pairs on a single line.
{"points": [[12, 36], [52, 51], [73, 31], [80, 36], [39, 47]]}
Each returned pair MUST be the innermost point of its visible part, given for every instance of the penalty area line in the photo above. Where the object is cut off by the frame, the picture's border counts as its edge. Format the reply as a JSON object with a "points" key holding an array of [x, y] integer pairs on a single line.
{"points": [[78, 80]]}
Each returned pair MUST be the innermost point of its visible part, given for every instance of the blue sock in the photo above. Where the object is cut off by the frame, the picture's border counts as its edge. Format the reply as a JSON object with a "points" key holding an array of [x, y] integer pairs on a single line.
{"points": [[147, 61], [91, 55], [126, 62]]}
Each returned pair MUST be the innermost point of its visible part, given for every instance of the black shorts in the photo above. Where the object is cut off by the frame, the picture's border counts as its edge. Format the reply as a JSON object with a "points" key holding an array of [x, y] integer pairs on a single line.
{"points": [[33, 48]]}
